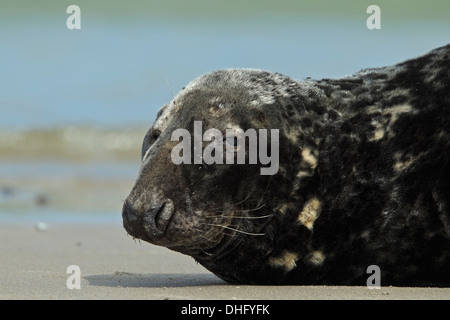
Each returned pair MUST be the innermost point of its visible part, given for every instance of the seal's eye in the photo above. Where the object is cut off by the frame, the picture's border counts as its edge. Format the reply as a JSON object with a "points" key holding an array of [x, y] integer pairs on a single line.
{"points": [[149, 139], [155, 135]]}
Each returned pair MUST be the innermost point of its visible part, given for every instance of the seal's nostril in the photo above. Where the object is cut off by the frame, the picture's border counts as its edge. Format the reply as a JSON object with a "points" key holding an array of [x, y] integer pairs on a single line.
{"points": [[156, 213], [147, 224], [158, 218], [165, 215], [151, 215]]}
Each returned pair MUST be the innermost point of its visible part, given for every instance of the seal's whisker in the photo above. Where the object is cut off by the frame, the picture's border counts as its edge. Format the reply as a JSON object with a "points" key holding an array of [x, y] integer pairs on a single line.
{"points": [[169, 86], [219, 209], [255, 209], [250, 218], [265, 191], [239, 210], [201, 234], [236, 230], [241, 217], [245, 199], [207, 253]]}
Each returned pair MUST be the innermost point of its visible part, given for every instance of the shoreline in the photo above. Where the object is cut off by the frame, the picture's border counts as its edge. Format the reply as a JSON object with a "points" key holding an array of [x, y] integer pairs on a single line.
{"points": [[114, 266]]}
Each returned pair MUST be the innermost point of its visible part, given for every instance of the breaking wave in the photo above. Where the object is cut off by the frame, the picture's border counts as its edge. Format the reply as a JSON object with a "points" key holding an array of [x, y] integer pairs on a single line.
{"points": [[72, 143]]}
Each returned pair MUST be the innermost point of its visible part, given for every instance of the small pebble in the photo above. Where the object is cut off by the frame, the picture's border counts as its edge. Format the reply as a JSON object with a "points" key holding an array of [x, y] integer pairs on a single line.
{"points": [[41, 226], [41, 200]]}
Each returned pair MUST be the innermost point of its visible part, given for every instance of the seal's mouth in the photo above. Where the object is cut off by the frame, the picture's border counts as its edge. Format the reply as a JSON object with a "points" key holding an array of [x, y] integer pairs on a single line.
{"points": [[150, 225]]}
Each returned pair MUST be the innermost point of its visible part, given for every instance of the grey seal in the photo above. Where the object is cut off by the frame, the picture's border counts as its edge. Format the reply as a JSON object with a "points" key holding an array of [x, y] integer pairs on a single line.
{"points": [[363, 177]]}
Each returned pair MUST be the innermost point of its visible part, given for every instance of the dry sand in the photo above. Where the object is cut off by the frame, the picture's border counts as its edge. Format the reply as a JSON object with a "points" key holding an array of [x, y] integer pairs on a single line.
{"points": [[113, 266]]}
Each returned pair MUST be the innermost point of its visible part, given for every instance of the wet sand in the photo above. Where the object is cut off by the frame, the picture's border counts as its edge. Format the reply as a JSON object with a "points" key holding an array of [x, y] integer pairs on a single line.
{"points": [[34, 261]]}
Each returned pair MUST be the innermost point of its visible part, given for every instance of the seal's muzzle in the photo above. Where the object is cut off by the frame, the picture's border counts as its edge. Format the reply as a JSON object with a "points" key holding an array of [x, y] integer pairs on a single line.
{"points": [[148, 225]]}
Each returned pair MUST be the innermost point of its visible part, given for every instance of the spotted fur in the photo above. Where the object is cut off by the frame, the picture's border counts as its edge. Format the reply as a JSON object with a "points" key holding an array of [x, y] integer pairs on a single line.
{"points": [[364, 178]]}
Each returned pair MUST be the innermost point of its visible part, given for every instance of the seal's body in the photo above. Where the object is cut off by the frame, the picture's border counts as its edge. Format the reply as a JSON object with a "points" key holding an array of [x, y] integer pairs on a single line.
{"points": [[363, 178]]}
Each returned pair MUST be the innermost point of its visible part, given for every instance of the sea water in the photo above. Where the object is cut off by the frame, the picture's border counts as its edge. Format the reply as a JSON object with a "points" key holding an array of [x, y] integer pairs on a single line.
{"points": [[76, 104]]}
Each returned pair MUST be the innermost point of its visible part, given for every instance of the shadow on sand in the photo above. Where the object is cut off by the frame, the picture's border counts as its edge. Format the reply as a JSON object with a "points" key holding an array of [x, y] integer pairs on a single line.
{"points": [[155, 280]]}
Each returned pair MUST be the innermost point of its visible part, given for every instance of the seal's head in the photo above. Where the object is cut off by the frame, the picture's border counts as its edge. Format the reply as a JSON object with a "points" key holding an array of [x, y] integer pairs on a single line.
{"points": [[206, 210]]}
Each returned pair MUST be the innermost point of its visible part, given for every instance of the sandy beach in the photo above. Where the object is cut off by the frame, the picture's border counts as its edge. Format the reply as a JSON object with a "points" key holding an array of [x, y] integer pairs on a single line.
{"points": [[34, 262]]}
